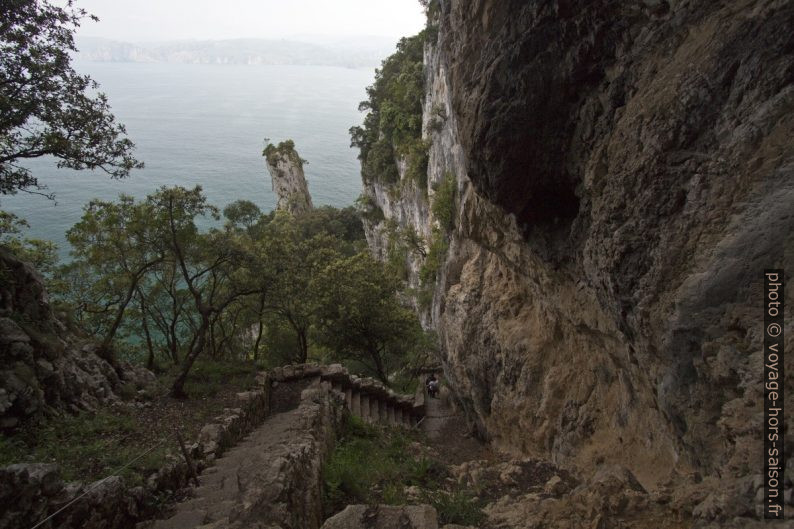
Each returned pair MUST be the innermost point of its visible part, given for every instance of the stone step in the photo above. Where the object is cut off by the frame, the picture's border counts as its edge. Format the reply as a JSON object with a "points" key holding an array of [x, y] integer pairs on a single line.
{"points": [[211, 497], [225, 481], [187, 519], [215, 510]]}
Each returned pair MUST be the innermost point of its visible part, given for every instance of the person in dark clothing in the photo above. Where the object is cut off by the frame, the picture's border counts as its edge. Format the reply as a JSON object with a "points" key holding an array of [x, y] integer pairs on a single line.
{"points": [[432, 385]]}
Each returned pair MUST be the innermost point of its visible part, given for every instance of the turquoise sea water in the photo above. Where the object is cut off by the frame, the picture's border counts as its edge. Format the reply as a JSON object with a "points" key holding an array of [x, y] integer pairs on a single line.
{"points": [[205, 124]]}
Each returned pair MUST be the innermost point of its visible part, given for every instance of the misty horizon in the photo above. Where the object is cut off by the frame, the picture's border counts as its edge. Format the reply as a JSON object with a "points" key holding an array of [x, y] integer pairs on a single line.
{"points": [[148, 21], [350, 52]]}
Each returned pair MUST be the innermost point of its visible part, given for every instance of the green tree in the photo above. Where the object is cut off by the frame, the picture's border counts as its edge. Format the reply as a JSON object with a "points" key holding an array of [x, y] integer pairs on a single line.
{"points": [[213, 267], [242, 214], [43, 255], [118, 242], [292, 262], [360, 317], [392, 127], [46, 108]]}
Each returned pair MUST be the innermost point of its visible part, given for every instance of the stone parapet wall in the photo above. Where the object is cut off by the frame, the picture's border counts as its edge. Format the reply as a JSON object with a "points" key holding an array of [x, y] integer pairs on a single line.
{"points": [[365, 397]]}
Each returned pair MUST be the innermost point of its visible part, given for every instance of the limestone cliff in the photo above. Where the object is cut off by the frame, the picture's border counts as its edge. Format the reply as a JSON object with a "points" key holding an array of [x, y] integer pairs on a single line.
{"points": [[289, 182], [623, 174]]}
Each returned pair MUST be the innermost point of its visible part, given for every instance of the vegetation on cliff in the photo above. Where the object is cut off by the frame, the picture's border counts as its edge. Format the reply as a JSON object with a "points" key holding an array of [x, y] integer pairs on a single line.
{"points": [[272, 288], [392, 128], [285, 149]]}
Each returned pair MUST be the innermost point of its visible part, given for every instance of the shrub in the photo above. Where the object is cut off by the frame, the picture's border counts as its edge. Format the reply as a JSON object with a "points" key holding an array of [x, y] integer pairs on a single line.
{"points": [[372, 465], [285, 148], [86, 446], [457, 507], [208, 376], [438, 116], [369, 209], [417, 159], [435, 258], [443, 206], [393, 126]]}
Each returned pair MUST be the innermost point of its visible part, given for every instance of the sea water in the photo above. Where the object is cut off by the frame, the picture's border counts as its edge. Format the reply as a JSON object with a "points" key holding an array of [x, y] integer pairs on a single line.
{"points": [[205, 125]]}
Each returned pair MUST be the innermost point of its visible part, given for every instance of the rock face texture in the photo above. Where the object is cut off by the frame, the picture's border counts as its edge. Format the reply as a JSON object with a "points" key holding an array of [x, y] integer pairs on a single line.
{"points": [[624, 175], [289, 182], [43, 367]]}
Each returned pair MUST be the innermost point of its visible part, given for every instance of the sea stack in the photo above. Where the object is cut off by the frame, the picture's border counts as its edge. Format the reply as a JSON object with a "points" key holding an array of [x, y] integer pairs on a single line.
{"points": [[289, 182]]}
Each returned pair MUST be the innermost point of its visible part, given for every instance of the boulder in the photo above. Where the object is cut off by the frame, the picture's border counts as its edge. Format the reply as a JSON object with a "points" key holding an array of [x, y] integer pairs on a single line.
{"points": [[384, 517]]}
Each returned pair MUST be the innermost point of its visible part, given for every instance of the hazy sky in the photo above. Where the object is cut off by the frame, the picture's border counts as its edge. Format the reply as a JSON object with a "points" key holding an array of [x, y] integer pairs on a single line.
{"points": [[140, 20]]}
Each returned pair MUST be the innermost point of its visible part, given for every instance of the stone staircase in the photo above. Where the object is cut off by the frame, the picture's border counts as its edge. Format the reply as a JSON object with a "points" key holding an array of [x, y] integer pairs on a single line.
{"points": [[272, 478], [221, 485]]}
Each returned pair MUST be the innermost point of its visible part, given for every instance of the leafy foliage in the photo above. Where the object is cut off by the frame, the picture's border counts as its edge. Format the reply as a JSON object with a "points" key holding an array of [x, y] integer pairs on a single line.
{"points": [[372, 465], [393, 126], [87, 446], [43, 255], [360, 317], [284, 149], [46, 108], [369, 209], [273, 288], [443, 206], [435, 258]]}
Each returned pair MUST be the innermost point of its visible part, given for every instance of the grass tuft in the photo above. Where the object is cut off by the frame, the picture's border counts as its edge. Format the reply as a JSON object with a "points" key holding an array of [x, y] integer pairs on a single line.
{"points": [[374, 465]]}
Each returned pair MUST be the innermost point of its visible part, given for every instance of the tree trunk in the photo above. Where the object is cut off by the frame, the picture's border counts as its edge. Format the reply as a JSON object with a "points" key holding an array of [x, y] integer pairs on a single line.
{"points": [[261, 328], [380, 370], [178, 388], [145, 325], [258, 340], [173, 342], [303, 343], [106, 349]]}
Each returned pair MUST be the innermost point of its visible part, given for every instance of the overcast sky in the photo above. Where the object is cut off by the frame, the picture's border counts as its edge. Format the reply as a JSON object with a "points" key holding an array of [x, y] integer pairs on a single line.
{"points": [[144, 20]]}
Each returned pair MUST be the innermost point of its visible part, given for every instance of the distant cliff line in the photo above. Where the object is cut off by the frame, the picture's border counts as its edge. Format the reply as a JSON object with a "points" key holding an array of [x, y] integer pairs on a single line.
{"points": [[350, 53]]}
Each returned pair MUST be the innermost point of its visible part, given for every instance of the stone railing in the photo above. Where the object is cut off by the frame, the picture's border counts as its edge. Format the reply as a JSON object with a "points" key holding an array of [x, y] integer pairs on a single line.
{"points": [[364, 397]]}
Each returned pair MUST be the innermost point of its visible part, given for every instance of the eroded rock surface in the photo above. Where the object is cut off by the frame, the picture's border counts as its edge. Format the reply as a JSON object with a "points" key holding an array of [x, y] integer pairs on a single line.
{"points": [[43, 367], [289, 181], [624, 176], [384, 517]]}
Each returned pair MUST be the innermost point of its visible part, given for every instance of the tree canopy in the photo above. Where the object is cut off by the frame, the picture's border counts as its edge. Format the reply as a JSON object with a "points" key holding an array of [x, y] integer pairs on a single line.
{"points": [[46, 108], [273, 288]]}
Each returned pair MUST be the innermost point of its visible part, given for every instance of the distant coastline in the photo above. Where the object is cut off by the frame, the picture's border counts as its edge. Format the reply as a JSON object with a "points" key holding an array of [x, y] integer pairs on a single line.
{"points": [[351, 53]]}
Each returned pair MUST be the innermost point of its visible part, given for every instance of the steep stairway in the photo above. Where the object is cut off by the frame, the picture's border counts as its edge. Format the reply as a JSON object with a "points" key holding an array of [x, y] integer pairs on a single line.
{"points": [[221, 485], [272, 477], [439, 415]]}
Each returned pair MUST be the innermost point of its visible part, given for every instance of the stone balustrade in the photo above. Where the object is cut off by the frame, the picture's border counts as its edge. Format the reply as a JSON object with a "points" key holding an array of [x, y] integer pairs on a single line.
{"points": [[365, 397]]}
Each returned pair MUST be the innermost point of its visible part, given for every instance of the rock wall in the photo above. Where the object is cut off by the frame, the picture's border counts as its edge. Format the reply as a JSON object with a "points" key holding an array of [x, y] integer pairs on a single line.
{"points": [[286, 488], [44, 368], [624, 176]]}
